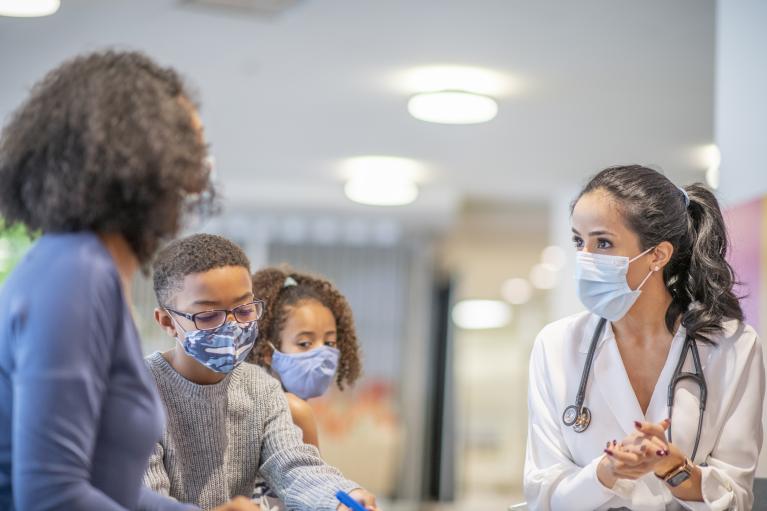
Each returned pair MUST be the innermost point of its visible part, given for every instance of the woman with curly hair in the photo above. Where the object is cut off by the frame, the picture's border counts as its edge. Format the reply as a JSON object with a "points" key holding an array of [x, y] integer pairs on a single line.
{"points": [[307, 339], [103, 158]]}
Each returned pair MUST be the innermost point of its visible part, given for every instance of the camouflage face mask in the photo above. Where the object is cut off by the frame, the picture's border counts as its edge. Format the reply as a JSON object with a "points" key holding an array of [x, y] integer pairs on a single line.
{"points": [[222, 349]]}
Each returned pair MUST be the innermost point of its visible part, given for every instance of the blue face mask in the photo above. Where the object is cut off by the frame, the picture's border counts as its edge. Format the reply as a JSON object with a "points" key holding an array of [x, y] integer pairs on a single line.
{"points": [[222, 349], [602, 285], [308, 374]]}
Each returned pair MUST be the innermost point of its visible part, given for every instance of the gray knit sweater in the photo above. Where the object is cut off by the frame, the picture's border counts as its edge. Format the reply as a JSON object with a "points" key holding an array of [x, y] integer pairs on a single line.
{"points": [[218, 438]]}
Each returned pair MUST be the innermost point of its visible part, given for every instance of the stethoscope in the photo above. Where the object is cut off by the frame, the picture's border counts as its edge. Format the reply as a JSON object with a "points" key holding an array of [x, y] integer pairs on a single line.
{"points": [[579, 416]]}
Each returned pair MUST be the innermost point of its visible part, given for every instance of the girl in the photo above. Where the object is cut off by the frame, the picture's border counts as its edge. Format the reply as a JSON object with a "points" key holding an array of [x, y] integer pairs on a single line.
{"points": [[307, 339]]}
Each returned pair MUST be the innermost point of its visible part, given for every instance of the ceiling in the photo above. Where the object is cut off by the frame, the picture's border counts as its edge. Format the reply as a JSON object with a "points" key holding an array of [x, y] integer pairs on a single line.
{"points": [[286, 98]]}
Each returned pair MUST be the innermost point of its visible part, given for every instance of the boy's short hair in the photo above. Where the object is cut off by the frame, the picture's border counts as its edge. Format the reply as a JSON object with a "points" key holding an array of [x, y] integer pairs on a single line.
{"points": [[194, 254]]}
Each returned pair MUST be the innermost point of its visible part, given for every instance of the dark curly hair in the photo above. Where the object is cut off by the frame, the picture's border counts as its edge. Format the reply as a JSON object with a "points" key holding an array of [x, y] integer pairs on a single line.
{"points": [[105, 142], [269, 285], [197, 253], [698, 275]]}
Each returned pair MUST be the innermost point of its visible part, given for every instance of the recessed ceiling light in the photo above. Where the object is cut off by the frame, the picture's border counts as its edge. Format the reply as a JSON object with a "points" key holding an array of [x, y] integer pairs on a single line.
{"points": [[544, 276], [481, 314], [28, 8], [516, 291], [382, 180], [452, 107]]}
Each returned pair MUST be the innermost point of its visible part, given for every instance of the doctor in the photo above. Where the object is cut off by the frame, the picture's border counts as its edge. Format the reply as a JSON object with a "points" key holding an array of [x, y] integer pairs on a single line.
{"points": [[669, 413]]}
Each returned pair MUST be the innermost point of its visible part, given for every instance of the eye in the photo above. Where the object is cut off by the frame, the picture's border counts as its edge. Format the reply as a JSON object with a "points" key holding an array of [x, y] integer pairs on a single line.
{"points": [[604, 244], [578, 242], [331, 344], [304, 345]]}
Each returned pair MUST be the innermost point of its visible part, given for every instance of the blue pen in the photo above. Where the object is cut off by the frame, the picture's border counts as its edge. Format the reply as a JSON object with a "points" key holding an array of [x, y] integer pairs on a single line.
{"points": [[346, 499]]}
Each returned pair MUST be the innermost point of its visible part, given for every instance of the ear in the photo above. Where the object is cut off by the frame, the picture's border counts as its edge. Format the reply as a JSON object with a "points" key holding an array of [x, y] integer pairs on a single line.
{"points": [[661, 255], [162, 317]]}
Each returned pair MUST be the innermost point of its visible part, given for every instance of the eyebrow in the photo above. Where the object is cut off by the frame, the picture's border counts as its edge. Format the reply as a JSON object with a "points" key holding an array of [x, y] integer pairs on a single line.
{"points": [[214, 303], [595, 233], [307, 332]]}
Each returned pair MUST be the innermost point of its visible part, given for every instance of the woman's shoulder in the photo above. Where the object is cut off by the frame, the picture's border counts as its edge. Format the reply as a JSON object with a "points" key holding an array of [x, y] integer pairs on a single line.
{"points": [[69, 257], [736, 336], [566, 330]]}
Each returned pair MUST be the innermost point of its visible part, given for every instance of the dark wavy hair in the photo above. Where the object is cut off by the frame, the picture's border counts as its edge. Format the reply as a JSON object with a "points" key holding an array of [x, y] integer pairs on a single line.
{"points": [[105, 142], [698, 275], [269, 285]]}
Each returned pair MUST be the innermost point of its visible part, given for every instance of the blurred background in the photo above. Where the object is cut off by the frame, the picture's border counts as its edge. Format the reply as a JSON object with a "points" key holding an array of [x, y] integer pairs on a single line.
{"points": [[423, 155]]}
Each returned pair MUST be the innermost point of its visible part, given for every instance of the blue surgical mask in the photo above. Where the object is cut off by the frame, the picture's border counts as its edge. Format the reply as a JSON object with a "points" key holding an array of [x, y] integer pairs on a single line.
{"points": [[222, 349], [307, 374], [602, 285]]}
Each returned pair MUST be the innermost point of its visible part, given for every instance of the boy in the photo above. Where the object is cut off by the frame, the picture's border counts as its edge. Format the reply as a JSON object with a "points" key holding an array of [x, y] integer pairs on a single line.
{"points": [[226, 421]]}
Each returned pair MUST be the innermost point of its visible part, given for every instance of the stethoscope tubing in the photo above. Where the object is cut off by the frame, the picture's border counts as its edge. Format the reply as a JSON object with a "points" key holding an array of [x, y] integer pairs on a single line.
{"points": [[690, 344]]}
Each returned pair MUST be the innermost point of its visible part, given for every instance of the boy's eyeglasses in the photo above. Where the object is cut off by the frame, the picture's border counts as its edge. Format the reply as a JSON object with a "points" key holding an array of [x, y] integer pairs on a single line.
{"points": [[212, 319]]}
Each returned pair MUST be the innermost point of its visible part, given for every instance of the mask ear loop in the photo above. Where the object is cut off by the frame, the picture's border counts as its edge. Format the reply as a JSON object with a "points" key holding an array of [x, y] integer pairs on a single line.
{"points": [[642, 254], [653, 270], [647, 278]]}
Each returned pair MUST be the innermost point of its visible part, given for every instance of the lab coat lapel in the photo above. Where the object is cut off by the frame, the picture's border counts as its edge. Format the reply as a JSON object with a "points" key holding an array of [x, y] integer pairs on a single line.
{"points": [[613, 383]]}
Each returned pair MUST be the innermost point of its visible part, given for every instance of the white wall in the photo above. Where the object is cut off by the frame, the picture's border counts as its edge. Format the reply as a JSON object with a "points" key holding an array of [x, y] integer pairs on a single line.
{"points": [[741, 98]]}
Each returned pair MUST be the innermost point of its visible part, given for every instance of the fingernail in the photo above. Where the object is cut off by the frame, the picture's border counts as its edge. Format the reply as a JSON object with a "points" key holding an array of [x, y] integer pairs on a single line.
{"points": [[615, 443], [608, 445], [643, 448], [637, 424], [668, 420], [608, 452]]}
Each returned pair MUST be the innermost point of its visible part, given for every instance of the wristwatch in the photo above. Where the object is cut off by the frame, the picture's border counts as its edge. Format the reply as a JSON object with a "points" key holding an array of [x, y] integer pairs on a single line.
{"points": [[678, 474]]}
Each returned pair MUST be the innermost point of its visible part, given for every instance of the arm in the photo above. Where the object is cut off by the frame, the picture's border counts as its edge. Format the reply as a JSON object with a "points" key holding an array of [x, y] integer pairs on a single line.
{"points": [[552, 480], [155, 495], [293, 469], [62, 354], [727, 482], [303, 417]]}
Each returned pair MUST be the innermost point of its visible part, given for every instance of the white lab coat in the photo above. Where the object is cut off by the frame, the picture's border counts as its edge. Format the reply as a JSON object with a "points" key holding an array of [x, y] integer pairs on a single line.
{"points": [[560, 465]]}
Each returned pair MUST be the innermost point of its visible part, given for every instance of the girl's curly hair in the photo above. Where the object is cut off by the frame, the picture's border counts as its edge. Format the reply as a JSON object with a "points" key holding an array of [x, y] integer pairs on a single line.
{"points": [[105, 142], [269, 285]]}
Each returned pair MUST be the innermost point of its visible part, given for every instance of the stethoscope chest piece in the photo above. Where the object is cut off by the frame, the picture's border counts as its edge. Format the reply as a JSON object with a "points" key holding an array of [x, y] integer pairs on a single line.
{"points": [[579, 422]]}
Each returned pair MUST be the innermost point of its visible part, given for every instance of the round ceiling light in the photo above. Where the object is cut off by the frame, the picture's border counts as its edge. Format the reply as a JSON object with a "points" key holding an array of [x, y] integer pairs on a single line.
{"points": [[382, 180], [544, 276], [452, 107], [481, 314], [28, 8], [381, 191], [555, 256], [516, 291]]}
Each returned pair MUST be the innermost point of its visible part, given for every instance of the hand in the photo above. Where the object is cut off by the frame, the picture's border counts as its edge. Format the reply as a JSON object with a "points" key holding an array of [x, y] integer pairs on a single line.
{"points": [[674, 457], [362, 496], [238, 504], [642, 452]]}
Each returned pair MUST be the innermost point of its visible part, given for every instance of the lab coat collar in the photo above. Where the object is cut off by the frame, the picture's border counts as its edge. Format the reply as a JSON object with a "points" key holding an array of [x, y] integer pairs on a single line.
{"points": [[588, 332], [610, 377]]}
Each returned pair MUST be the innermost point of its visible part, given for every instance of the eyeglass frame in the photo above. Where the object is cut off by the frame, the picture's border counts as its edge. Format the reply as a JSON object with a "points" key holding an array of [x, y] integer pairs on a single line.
{"points": [[191, 316]]}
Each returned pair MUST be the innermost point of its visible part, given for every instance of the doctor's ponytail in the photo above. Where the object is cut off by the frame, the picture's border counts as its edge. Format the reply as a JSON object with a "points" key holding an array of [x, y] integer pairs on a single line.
{"points": [[701, 277], [698, 275]]}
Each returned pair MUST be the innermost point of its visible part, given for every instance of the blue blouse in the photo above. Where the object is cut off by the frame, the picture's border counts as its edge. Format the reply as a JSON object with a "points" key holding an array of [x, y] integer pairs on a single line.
{"points": [[79, 414]]}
